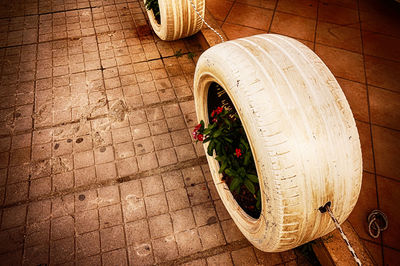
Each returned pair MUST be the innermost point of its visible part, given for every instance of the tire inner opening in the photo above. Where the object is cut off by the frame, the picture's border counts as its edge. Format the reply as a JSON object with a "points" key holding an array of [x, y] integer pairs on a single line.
{"points": [[217, 97]]}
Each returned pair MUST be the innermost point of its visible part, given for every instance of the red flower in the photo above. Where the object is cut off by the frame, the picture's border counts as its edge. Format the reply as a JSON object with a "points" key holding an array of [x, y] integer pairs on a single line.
{"points": [[196, 134], [215, 120], [217, 111], [238, 153]]}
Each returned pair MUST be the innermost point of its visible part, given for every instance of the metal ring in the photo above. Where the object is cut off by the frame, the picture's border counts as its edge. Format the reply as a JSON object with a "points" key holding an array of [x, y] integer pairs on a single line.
{"points": [[377, 229], [380, 217]]}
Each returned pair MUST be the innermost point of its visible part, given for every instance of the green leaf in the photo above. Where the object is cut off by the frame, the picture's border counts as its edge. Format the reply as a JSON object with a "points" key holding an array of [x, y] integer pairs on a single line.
{"points": [[237, 190], [247, 157], [250, 186], [206, 140], [178, 53], [231, 172], [236, 182], [228, 140], [227, 122], [218, 148], [217, 133], [242, 172], [219, 158], [258, 204], [244, 143], [206, 131], [191, 55], [223, 166], [253, 178], [210, 148]]}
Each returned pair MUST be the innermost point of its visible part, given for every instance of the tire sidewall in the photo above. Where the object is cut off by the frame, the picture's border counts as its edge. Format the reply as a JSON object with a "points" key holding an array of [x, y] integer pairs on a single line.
{"points": [[268, 223], [159, 28]]}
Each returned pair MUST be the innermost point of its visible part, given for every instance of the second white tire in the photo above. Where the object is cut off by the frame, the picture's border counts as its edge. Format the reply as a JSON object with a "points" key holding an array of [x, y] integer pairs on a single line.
{"points": [[301, 131], [178, 19]]}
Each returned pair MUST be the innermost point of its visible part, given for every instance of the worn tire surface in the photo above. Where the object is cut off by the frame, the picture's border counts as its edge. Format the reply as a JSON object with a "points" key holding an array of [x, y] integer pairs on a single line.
{"points": [[302, 134], [178, 19]]}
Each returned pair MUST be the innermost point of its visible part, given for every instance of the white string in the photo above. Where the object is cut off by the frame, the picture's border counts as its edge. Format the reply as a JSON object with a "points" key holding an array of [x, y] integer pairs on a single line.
{"points": [[211, 28], [346, 240]]}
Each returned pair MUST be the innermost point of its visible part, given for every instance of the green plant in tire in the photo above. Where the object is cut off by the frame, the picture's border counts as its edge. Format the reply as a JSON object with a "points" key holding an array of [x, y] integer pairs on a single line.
{"points": [[227, 138], [153, 5]]}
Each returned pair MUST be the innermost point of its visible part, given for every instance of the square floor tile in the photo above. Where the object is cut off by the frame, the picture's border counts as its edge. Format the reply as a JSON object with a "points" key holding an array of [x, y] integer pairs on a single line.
{"points": [[344, 37], [160, 226], [188, 242], [306, 8], [183, 220], [87, 244], [177, 199], [112, 238], [384, 106], [115, 257], [211, 236], [137, 232], [244, 15], [382, 73], [294, 26], [243, 256], [156, 204], [165, 249], [342, 63], [386, 144], [356, 95], [388, 190]]}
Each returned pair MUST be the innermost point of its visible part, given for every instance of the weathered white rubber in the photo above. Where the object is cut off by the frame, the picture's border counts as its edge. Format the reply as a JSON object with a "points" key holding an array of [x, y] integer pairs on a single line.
{"points": [[302, 134], [178, 19]]}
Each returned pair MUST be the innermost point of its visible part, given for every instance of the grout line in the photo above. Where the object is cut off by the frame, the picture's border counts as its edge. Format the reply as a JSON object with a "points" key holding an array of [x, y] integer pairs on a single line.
{"points": [[389, 128], [273, 16], [369, 118], [90, 125], [324, 44], [60, 11], [140, 183], [143, 107], [316, 26], [229, 12], [382, 88], [390, 178], [136, 176], [377, 125], [31, 157], [209, 252], [124, 222], [115, 4], [161, 57], [66, 10], [383, 245]]}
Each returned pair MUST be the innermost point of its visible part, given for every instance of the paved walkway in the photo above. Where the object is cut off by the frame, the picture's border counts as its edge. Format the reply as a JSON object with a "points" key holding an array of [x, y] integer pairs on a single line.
{"points": [[359, 40], [97, 164]]}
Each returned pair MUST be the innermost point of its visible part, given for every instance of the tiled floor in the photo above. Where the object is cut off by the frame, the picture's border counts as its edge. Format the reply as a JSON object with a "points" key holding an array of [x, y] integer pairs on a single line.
{"points": [[360, 43], [97, 166]]}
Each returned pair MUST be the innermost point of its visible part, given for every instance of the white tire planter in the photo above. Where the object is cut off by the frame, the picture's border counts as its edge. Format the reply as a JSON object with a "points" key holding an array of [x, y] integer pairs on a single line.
{"points": [[178, 19], [302, 134]]}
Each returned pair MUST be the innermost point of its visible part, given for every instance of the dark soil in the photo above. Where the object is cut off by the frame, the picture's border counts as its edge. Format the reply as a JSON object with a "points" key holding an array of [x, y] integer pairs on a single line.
{"points": [[245, 198]]}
